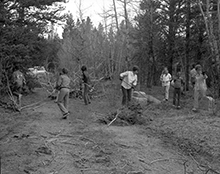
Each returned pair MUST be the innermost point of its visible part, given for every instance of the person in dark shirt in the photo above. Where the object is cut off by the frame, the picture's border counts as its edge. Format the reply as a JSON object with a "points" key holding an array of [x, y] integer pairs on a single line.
{"points": [[177, 84], [86, 81]]}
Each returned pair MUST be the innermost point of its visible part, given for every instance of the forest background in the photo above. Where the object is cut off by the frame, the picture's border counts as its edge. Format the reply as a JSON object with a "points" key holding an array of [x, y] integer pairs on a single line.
{"points": [[172, 33]]}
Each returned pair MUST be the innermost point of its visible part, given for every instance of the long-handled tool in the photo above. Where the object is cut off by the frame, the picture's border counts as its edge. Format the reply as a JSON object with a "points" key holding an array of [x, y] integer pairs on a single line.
{"points": [[135, 91]]}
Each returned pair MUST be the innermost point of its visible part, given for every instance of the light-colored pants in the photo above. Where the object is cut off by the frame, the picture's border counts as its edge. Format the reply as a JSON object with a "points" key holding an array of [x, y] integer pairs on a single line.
{"points": [[166, 91], [63, 100], [198, 94]]}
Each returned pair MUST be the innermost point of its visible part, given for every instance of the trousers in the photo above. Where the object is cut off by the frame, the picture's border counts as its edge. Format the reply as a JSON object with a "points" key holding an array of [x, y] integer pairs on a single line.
{"points": [[198, 94], [176, 96], [166, 91], [126, 95], [63, 100]]}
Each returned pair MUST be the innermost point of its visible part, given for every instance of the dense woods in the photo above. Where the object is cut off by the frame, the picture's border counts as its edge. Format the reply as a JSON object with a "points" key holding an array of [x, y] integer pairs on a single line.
{"points": [[172, 33]]}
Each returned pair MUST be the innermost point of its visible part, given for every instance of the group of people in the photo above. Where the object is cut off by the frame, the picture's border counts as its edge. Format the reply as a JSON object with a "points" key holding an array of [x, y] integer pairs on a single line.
{"points": [[197, 79], [129, 81], [198, 82], [62, 86]]}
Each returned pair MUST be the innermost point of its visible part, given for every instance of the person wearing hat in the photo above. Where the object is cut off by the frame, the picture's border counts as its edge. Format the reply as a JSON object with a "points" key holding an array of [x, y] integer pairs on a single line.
{"points": [[63, 85], [129, 81], [200, 86]]}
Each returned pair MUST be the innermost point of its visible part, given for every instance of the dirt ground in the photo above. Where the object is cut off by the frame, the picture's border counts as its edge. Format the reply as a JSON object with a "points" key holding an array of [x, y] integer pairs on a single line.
{"points": [[37, 141]]}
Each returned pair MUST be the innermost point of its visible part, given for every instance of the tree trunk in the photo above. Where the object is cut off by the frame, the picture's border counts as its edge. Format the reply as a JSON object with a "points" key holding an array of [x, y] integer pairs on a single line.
{"points": [[171, 37], [200, 42], [218, 14], [116, 15], [187, 45]]}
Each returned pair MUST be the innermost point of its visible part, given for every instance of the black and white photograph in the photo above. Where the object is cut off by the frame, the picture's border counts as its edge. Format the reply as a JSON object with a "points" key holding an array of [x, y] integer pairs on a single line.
{"points": [[109, 86]]}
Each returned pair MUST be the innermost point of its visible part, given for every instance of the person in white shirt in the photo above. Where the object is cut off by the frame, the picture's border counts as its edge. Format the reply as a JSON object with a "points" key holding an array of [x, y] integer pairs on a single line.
{"points": [[129, 81], [165, 78]]}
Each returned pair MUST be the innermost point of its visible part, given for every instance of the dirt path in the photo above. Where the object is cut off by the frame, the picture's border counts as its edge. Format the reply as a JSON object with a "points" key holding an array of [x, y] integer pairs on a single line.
{"points": [[39, 142]]}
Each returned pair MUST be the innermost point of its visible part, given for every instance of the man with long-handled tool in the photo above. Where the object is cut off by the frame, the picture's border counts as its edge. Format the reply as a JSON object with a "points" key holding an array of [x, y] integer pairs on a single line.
{"points": [[129, 81]]}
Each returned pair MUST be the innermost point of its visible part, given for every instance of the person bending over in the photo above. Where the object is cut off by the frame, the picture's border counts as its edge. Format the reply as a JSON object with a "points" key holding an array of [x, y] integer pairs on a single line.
{"points": [[129, 81]]}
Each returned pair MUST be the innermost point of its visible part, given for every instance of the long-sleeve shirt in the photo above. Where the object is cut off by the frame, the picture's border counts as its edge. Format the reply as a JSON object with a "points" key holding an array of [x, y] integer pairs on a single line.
{"points": [[129, 79], [63, 81]]}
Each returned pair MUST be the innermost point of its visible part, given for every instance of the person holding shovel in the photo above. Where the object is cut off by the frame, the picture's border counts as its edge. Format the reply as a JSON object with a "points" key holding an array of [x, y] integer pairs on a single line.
{"points": [[63, 85], [86, 81], [129, 81]]}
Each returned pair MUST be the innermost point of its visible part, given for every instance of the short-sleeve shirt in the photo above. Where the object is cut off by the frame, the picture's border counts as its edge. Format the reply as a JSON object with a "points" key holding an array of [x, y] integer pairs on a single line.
{"points": [[129, 79], [166, 78]]}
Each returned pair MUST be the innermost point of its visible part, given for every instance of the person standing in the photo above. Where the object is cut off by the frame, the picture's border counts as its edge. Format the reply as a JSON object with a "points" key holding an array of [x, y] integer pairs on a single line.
{"points": [[129, 81], [63, 85], [18, 82], [86, 81], [165, 78], [177, 84], [200, 87]]}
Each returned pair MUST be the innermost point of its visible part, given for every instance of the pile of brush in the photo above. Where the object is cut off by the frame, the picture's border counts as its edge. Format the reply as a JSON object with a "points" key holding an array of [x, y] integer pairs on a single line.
{"points": [[131, 115]]}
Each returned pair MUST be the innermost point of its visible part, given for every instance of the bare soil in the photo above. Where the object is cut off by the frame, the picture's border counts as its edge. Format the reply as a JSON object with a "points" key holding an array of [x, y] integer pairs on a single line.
{"points": [[38, 141]]}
